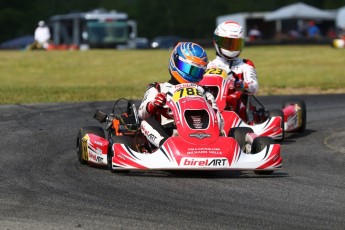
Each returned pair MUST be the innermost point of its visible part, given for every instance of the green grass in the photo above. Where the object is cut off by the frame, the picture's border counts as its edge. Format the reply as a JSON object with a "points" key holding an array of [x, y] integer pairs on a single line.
{"points": [[94, 75], [314, 68]]}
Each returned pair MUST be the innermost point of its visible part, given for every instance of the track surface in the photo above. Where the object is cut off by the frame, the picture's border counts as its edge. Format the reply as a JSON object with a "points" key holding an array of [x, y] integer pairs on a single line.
{"points": [[44, 187]]}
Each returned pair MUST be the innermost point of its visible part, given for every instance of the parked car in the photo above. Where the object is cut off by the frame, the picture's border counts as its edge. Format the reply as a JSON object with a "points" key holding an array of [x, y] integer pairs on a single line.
{"points": [[165, 42], [18, 43], [141, 43]]}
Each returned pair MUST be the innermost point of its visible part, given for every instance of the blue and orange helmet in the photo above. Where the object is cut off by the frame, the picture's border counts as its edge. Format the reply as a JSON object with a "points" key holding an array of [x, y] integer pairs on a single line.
{"points": [[188, 62]]}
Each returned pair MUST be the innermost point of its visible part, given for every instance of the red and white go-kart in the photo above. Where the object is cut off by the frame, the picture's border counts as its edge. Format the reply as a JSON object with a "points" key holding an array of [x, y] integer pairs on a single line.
{"points": [[196, 145]]}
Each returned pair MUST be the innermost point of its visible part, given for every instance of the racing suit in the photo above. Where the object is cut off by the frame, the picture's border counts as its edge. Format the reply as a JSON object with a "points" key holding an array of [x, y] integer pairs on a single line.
{"points": [[153, 125], [244, 70], [42, 36]]}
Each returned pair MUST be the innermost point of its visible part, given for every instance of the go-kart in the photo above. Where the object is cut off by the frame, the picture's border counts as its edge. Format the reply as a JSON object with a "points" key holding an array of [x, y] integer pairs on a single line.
{"points": [[196, 145], [241, 110]]}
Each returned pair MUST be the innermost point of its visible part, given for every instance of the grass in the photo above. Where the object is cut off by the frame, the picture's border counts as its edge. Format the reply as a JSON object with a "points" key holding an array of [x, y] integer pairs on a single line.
{"points": [[97, 75], [307, 69]]}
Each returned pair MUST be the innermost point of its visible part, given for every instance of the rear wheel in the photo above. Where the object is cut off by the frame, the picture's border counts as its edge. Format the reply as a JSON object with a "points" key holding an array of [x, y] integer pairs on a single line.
{"points": [[302, 113], [258, 145], [121, 140], [81, 133], [278, 113], [239, 134]]}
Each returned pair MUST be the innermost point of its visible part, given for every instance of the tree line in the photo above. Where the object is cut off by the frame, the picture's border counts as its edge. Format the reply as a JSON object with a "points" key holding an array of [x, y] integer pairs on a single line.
{"points": [[187, 18]]}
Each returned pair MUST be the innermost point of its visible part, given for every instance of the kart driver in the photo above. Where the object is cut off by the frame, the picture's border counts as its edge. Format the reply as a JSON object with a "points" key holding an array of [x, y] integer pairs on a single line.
{"points": [[228, 40], [187, 65]]}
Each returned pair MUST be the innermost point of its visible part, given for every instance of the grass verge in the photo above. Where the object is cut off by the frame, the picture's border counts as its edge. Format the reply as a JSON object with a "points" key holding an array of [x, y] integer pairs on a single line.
{"points": [[94, 75]]}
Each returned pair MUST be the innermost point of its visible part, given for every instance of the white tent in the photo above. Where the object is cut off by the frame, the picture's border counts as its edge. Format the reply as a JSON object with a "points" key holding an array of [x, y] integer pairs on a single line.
{"points": [[299, 11], [340, 20], [240, 18]]}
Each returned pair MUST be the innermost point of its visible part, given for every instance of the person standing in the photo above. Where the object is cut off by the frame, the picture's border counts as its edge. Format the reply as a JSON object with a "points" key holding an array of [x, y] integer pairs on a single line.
{"points": [[313, 30], [42, 35]]}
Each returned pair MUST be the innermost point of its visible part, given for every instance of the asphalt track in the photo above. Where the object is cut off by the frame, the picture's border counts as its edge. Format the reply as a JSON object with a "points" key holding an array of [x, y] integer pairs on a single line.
{"points": [[44, 187]]}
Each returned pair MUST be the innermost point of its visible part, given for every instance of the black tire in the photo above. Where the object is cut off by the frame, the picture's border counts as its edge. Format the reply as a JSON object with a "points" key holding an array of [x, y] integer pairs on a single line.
{"points": [[81, 133], [303, 107], [239, 134], [278, 113], [117, 139], [258, 145]]}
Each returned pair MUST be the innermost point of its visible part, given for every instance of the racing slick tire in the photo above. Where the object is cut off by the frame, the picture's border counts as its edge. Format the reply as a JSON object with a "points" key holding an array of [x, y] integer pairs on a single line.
{"points": [[239, 134], [278, 113], [117, 139], [303, 107], [81, 133], [258, 145]]}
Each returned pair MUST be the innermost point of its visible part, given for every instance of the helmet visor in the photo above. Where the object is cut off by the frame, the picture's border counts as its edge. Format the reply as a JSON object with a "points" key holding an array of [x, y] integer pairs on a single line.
{"points": [[189, 69], [232, 44]]}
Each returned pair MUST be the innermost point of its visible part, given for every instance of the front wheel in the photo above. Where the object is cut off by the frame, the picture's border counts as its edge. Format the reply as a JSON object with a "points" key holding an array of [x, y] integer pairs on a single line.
{"points": [[82, 148], [258, 145], [239, 134]]}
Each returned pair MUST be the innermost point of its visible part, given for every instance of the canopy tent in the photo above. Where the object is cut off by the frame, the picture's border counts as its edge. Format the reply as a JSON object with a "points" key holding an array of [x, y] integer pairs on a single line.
{"points": [[240, 18], [299, 11], [288, 19], [340, 20]]}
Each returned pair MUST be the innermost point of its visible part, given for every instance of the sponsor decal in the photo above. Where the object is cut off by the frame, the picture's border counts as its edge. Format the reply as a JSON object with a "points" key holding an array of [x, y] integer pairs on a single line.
{"points": [[204, 150], [98, 143], [204, 162], [152, 137], [147, 133], [121, 156], [185, 85], [200, 135], [197, 121], [95, 158]]}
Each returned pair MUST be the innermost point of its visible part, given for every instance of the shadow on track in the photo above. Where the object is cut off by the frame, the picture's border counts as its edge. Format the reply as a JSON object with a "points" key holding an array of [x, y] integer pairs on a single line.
{"points": [[292, 137]]}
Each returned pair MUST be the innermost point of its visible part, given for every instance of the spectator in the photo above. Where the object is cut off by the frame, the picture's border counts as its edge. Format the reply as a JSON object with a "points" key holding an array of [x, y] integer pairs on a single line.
{"points": [[313, 30], [254, 33], [42, 35]]}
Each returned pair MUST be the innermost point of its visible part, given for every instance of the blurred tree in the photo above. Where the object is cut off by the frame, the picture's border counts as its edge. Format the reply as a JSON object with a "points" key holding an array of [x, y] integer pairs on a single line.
{"points": [[187, 18]]}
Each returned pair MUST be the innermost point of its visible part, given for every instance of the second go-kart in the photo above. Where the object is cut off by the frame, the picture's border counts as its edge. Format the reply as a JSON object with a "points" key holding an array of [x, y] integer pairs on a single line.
{"points": [[198, 144], [239, 110]]}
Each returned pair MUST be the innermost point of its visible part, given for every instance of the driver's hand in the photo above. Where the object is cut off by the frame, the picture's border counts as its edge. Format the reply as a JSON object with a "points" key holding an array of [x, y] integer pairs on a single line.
{"points": [[159, 100], [240, 85]]}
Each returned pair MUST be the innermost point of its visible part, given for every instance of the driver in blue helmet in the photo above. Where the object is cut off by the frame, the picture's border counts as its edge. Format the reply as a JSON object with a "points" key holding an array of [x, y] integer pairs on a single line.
{"points": [[187, 64]]}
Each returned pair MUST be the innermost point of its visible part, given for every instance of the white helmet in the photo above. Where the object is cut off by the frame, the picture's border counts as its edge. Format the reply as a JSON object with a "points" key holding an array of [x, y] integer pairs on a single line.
{"points": [[41, 23], [228, 39]]}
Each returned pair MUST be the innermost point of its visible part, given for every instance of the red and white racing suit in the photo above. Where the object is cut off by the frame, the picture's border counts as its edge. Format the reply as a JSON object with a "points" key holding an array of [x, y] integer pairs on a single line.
{"points": [[243, 68], [245, 71], [152, 132]]}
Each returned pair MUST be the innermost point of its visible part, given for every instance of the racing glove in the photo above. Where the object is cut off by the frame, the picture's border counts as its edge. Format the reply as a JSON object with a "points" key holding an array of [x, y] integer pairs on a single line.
{"points": [[240, 85], [157, 103]]}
